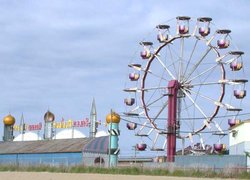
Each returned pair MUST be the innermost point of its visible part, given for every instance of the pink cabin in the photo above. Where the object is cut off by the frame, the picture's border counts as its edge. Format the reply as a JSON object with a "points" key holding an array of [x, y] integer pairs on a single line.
{"points": [[236, 66], [183, 29], [162, 38], [219, 147], [141, 147], [233, 122], [204, 31], [146, 54], [129, 101], [163, 32], [240, 94], [131, 126], [223, 43], [134, 76]]}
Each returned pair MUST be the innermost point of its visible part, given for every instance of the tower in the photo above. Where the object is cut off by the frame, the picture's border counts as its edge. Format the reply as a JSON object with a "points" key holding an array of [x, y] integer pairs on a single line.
{"points": [[113, 120], [8, 121], [49, 118], [93, 120]]}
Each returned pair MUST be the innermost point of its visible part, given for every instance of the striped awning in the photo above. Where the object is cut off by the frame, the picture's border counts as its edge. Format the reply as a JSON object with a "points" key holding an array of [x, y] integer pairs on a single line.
{"points": [[97, 145]]}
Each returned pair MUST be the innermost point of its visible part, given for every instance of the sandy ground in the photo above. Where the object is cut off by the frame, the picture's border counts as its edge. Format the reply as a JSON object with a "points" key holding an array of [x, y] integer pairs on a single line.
{"points": [[68, 176]]}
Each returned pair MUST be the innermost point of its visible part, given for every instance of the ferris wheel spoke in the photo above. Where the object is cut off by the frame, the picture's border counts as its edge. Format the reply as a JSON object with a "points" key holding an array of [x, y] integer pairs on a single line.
{"points": [[191, 123], [217, 103], [153, 88], [202, 73], [196, 105], [181, 60], [172, 60], [190, 58], [218, 127], [143, 130], [206, 83], [160, 111], [157, 76], [201, 141], [198, 63], [203, 96], [155, 101], [163, 65]]}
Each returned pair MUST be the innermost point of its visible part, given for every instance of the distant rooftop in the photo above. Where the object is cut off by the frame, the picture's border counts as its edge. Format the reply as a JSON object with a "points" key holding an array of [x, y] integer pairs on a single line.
{"points": [[44, 146]]}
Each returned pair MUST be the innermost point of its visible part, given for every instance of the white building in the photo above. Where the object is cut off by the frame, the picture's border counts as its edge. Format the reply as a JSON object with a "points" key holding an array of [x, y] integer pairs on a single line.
{"points": [[239, 140], [69, 134], [28, 136]]}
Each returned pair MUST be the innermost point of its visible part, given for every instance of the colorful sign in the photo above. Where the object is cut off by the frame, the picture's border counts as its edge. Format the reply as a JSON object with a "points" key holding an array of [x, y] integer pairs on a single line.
{"points": [[70, 123], [57, 125], [26, 127]]}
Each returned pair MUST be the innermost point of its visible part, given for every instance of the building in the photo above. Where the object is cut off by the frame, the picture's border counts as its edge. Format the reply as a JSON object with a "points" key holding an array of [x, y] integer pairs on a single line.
{"points": [[46, 152], [68, 147], [96, 152], [58, 152], [239, 141]]}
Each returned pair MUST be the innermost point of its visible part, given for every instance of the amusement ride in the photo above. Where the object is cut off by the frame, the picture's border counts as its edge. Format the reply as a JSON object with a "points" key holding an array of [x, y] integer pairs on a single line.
{"points": [[185, 88]]}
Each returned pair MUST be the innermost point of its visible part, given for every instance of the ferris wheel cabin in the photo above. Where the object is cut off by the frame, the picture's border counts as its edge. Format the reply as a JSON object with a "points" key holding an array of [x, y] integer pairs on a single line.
{"points": [[219, 147], [204, 23], [146, 53], [131, 126], [134, 76], [233, 122], [141, 146], [129, 101], [236, 63], [183, 25], [223, 42], [163, 33]]}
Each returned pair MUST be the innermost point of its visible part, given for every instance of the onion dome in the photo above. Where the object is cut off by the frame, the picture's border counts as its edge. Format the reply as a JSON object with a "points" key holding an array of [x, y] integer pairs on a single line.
{"points": [[49, 116], [114, 117], [9, 120]]}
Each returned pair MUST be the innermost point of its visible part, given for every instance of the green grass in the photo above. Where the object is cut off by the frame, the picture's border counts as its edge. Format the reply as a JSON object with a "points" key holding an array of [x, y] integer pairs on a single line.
{"points": [[131, 171]]}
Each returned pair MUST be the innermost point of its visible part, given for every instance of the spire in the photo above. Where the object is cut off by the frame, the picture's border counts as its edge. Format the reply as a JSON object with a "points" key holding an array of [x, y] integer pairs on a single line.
{"points": [[22, 127], [93, 120]]}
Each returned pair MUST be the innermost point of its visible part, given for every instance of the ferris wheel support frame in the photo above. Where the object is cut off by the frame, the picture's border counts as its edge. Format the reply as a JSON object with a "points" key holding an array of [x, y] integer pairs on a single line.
{"points": [[173, 87], [180, 79]]}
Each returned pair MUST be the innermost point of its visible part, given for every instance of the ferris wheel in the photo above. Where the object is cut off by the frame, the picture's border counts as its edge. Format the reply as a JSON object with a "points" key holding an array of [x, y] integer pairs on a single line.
{"points": [[186, 84]]}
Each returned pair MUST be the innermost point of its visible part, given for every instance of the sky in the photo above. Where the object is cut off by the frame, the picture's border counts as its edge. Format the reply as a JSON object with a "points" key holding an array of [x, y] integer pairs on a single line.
{"points": [[60, 54]]}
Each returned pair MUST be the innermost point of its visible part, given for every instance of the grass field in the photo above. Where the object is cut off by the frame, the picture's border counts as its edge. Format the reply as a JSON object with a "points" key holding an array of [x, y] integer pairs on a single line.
{"points": [[192, 173]]}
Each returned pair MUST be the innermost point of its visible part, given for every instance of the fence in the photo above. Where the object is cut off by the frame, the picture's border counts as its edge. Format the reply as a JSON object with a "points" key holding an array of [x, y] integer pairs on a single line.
{"points": [[230, 163], [51, 159], [206, 162]]}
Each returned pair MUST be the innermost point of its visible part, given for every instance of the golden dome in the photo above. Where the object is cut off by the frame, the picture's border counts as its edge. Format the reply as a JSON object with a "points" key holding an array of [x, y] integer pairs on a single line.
{"points": [[9, 120], [115, 118], [49, 116]]}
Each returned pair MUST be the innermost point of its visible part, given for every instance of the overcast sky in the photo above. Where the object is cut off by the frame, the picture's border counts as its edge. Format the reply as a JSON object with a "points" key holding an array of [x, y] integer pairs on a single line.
{"points": [[60, 54]]}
